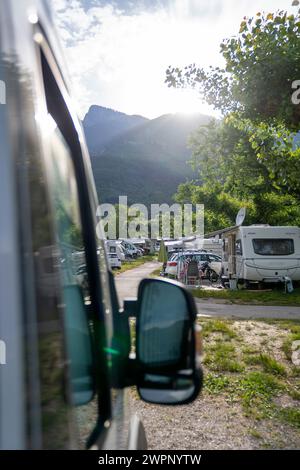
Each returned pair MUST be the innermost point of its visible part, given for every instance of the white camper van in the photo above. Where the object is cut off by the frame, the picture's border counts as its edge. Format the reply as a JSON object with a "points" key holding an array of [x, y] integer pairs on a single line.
{"points": [[114, 247], [261, 253]]}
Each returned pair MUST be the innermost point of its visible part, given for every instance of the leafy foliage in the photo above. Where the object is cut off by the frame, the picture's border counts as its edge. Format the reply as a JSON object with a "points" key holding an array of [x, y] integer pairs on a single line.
{"points": [[262, 61], [251, 157]]}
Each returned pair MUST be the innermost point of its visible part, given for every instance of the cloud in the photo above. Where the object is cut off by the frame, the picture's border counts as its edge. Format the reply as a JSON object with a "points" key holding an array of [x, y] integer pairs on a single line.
{"points": [[118, 51]]}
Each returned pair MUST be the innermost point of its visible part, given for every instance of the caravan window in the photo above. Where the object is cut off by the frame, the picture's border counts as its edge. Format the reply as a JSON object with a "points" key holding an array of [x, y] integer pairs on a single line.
{"points": [[238, 248], [273, 246]]}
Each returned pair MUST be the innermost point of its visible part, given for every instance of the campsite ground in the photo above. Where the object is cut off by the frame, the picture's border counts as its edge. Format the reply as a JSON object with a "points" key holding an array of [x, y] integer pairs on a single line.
{"points": [[251, 393]]}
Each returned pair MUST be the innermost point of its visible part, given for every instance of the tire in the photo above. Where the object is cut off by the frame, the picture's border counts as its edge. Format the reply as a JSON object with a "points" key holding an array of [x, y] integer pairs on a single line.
{"points": [[213, 276]]}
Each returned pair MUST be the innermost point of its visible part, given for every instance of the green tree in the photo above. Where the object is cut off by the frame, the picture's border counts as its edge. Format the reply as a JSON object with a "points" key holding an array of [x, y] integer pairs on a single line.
{"points": [[261, 63], [231, 177], [251, 155]]}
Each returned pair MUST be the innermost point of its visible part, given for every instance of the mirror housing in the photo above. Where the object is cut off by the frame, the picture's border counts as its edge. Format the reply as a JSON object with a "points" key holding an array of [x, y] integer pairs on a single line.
{"points": [[168, 345]]}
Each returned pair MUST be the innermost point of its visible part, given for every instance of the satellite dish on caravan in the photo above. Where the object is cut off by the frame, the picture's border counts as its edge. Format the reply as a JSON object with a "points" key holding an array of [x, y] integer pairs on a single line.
{"points": [[240, 216]]}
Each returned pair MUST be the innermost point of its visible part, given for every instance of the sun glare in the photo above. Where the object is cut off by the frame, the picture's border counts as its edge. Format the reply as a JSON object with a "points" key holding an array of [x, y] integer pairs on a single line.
{"points": [[187, 102]]}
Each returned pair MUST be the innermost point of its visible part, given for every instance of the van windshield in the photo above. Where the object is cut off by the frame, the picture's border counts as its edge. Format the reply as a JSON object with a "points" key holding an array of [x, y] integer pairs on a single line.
{"points": [[273, 246]]}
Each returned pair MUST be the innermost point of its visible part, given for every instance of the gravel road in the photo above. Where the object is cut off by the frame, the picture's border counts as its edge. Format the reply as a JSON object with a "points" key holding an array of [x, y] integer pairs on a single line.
{"points": [[127, 282], [217, 309]]}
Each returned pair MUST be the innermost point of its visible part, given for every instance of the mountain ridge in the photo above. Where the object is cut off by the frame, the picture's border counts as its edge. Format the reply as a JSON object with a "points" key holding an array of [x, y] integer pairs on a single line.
{"points": [[145, 159]]}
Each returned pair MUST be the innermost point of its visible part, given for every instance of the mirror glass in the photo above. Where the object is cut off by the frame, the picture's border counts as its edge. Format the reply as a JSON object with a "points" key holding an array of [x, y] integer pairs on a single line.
{"points": [[164, 343]]}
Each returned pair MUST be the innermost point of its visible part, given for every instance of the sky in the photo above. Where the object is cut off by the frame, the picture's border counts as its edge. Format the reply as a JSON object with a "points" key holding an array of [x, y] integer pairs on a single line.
{"points": [[117, 52]]}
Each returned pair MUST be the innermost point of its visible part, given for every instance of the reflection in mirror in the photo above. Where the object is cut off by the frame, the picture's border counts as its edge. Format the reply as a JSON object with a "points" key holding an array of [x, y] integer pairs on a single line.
{"points": [[165, 348], [177, 390], [163, 320]]}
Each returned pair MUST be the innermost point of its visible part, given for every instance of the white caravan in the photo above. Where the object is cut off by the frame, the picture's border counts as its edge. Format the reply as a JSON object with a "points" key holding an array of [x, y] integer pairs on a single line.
{"points": [[113, 246], [261, 253]]}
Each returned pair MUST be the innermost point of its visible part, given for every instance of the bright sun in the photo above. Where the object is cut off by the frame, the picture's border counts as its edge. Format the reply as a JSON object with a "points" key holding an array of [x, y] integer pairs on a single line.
{"points": [[177, 101], [186, 102]]}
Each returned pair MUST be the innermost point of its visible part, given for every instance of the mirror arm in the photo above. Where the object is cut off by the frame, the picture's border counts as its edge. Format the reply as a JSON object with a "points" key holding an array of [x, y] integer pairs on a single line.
{"points": [[131, 372], [130, 307]]}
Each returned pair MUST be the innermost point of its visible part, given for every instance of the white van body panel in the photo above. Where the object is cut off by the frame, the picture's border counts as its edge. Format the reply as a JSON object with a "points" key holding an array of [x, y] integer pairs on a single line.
{"points": [[113, 246]]}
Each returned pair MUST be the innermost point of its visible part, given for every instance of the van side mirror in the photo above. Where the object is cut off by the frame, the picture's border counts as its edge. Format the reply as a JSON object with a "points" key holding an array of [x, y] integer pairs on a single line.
{"points": [[167, 347]]}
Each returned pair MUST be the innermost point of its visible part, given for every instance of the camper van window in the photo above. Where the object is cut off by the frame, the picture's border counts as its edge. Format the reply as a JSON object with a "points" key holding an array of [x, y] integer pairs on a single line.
{"points": [[238, 248], [273, 246]]}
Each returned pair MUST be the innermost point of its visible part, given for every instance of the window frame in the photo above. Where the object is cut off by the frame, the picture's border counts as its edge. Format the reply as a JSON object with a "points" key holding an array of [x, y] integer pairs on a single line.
{"points": [[71, 130], [273, 240], [239, 252]]}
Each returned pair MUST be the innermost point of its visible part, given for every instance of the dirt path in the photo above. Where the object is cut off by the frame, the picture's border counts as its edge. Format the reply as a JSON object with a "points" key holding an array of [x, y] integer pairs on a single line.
{"points": [[127, 282]]}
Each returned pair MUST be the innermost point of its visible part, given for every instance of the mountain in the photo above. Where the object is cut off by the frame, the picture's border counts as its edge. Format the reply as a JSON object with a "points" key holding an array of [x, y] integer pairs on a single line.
{"points": [[141, 158], [102, 125]]}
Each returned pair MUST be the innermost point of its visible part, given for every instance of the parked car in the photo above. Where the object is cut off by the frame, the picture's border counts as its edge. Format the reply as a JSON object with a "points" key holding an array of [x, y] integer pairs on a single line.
{"points": [[214, 262], [176, 262], [171, 266], [130, 250], [69, 369], [114, 261]]}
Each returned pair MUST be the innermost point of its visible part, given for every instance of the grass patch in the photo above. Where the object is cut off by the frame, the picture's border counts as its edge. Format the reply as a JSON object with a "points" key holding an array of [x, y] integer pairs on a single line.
{"points": [[256, 391], [292, 325], [290, 415], [287, 344], [268, 363], [218, 326], [247, 350], [256, 297], [295, 371], [156, 272], [271, 365], [229, 371], [293, 393], [135, 263], [215, 384], [255, 433], [222, 357]]}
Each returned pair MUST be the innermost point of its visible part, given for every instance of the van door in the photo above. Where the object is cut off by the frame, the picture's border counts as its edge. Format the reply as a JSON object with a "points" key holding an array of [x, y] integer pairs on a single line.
{"points": [[86, 294], [231, 255]]}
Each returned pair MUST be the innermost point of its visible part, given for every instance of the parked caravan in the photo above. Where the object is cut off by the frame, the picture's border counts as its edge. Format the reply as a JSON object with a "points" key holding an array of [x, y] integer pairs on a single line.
{"points": [[261, 253], [115, 247]]}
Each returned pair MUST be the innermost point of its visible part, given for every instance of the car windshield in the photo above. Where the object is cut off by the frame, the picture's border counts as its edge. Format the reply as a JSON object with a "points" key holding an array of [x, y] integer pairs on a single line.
{"points": [[193, 257], [214, 258]]}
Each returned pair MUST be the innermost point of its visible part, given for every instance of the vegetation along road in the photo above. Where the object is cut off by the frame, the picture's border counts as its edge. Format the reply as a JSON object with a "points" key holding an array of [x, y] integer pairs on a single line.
{"points": [[216, 309]]}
